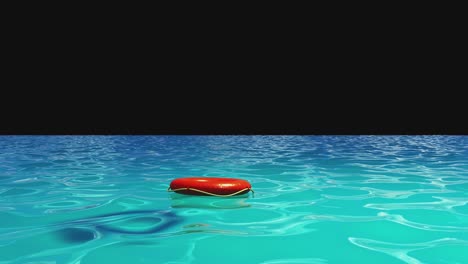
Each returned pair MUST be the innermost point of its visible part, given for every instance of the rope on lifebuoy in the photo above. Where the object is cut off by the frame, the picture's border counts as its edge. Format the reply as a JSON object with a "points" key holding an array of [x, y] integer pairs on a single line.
{"points": [[212, 194]]}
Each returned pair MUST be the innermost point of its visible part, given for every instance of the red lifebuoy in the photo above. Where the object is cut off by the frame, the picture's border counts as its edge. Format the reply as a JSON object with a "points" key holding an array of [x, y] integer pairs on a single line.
{"points": [[210, 186]]}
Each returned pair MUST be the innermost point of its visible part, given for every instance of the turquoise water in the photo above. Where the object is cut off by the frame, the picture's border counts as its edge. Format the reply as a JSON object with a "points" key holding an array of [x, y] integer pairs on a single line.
{"points": [[318, 199]]}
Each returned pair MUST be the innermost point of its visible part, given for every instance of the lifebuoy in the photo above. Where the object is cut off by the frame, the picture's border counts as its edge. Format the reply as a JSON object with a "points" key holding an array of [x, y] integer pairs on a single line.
{"points": [[213, 186]]}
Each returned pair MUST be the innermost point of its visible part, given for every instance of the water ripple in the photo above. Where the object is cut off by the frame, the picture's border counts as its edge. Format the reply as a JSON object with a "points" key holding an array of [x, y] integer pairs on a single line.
{"points": [[95, 199]]}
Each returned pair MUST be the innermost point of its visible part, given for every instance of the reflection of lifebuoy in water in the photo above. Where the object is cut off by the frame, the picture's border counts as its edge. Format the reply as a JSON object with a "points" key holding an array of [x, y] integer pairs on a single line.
{"points": [[213, 186]]}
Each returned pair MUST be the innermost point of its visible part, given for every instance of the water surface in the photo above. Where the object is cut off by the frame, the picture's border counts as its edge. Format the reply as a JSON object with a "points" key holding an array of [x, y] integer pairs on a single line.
{"points": [[318, 199]]}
